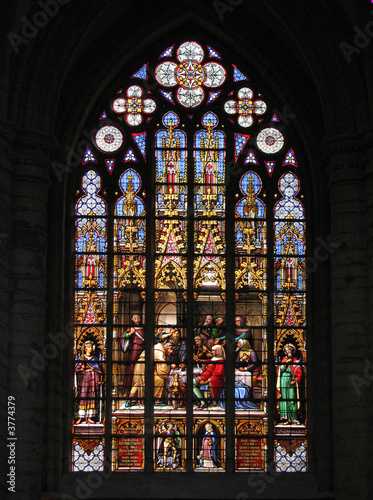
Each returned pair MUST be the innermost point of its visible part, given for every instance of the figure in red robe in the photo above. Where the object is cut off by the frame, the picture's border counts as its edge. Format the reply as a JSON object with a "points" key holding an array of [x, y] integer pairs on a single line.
{"points": [[213, 371], [89, 377]]}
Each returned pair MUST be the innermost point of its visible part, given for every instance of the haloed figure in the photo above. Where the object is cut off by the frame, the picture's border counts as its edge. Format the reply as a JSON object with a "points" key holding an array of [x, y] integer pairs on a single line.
{"points": [[289, 376], [89, 377], [209, 451]]}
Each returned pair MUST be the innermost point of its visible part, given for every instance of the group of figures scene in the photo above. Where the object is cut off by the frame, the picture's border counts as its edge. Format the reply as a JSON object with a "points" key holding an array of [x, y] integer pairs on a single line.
{"points": [[170, 386]]}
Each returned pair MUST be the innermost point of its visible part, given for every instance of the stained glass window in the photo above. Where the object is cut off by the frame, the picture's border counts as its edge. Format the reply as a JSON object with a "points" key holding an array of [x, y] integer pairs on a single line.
{"points": [[189, 306]]}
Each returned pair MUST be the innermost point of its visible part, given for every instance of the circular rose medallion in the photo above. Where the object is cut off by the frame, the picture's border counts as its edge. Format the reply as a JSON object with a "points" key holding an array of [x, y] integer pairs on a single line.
{"points": [[109, 139], [270, 140], [190, 74]]}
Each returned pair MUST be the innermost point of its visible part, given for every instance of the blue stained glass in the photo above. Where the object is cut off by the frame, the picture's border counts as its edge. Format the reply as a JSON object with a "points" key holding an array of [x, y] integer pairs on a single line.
{"points": [[178, 135], [160, 160], [127, 177], [238, 76], [201, 143], [239, 143], [251, 158], [140, 140], [142, 72], [289, 208], [110, 165], [213, 53], [250, 178], [213, 96], [209, 120], [275, 118], [201, 164], [295, 462], [202, 137], [91, 203], [140, 208], [80, 244], [103, 116], [141, 233], [101, 244], [270, 165], [278, 282], [167, 52], [170, 119], [168, 96], [129, 156], [80, 279], [94, 461], [247, 180], [288, 238], [239, 234], [241, 205], [89, 157], [290, 159]]}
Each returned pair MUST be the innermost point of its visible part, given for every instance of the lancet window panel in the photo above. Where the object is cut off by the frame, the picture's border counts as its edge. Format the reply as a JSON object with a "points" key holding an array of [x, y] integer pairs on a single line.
{"points": [[189, 299]]}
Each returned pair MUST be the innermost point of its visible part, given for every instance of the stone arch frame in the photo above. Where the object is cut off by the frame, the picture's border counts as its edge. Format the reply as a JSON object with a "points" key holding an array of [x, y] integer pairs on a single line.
{"points": [[26, 135], [113, 85]]}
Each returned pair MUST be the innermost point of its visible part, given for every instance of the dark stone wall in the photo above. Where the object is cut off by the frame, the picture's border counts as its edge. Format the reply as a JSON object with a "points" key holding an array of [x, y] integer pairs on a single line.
{"points": [[56, 67]]}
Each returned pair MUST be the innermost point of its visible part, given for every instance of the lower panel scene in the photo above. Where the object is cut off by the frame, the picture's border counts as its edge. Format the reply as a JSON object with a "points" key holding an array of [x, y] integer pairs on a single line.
{"points": [[209, 444], [169, 444]]}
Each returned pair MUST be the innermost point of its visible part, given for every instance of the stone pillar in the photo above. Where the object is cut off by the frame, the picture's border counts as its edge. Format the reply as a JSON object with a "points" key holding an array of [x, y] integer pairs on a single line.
{"points": [[349, 322], [28, 247], [58, 340], [367, 376], [5, 190]]}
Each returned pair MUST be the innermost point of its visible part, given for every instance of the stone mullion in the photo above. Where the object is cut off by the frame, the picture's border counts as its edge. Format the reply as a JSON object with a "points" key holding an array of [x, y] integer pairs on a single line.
{"points": [[27, 322], [348, 317]]}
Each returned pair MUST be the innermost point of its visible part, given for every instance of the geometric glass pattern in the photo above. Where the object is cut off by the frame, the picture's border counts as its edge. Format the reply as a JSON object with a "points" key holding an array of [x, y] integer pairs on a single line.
{"points": [[238, 76]]}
